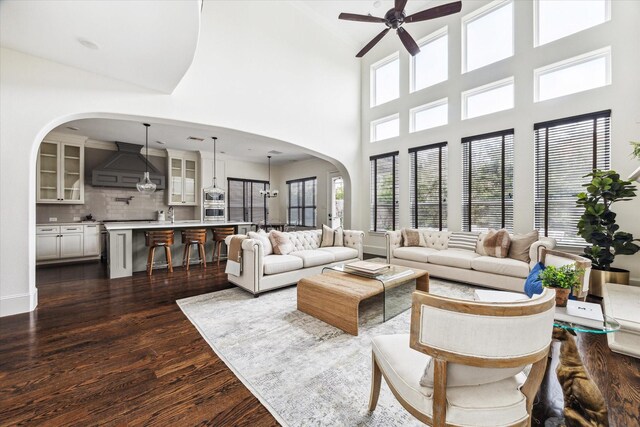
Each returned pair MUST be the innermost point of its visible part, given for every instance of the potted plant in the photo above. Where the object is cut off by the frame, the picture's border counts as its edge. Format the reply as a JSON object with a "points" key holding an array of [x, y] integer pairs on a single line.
{"points": [[562, 279], [598, 227]]}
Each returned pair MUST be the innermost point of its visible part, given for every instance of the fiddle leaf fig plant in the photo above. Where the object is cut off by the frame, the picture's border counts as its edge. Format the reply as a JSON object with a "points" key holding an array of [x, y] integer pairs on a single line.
{"points": [[597, 224]]}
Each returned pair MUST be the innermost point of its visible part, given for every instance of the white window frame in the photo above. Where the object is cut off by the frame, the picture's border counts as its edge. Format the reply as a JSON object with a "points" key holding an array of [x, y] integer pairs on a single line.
{"points": [[444, 31], [568, 63], [477, 14], [486, 88], [536, 23], [420, 108], [374, 123], [372, 78]]}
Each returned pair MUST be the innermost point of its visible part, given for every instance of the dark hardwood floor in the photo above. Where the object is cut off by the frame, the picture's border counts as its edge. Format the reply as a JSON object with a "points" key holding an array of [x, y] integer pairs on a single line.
{"points": [[120, 352]]}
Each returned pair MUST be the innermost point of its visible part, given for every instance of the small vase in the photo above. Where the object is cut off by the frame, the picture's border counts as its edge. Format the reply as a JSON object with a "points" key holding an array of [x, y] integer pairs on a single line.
{"points": [[562, 295]]}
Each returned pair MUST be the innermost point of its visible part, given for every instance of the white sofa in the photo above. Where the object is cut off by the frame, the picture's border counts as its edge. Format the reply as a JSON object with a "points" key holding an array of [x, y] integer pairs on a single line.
{"points": [[463, 265], [260, 272]]}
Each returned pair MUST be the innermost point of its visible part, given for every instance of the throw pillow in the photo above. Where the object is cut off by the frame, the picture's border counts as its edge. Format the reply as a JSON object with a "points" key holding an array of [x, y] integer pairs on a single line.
{"points": [[480, 244], [533, 284], [331, 237], [464, 375], [520, 245], [262, 237], [412, 237], [497, 243], [464, 240], [281, 243]]}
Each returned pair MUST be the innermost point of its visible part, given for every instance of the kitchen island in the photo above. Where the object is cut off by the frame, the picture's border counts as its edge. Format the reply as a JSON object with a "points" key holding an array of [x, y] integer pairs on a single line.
{"points": [[126, 250]]}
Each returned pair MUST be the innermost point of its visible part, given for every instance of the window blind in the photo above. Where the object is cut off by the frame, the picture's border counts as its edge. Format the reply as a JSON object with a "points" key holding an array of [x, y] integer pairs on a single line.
{"points": [[244, 201], [384, 191], [487, 177], [565, 151], [302, 201], [428, 191]]}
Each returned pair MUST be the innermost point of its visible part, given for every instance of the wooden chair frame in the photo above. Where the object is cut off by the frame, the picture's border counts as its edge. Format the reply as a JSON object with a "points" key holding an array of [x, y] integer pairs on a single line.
{"points": [[219, 234], [191, 237], [581, 262], [441, 358]]}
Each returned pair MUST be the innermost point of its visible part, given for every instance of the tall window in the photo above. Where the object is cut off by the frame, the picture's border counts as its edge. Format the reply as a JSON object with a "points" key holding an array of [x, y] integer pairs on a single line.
{"points": [[487, 35], [385, 80], [429, 115], [384, 191], [302, 201], [556, 19], [430, 66], [244, 200], [565, 151], [385, 128], [487, 99], [487, 177], [428, 193]]}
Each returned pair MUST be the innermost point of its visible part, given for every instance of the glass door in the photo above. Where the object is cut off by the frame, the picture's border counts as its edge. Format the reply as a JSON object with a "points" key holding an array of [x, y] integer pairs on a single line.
{"points": [[336, 201], [189, 181], [71, 172], [176, 180], [48, 184]]}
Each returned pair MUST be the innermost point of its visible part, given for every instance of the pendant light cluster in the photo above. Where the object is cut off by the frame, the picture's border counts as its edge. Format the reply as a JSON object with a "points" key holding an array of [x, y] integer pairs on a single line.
{"points": [[214, 189], [269, 193], [146, 186]]}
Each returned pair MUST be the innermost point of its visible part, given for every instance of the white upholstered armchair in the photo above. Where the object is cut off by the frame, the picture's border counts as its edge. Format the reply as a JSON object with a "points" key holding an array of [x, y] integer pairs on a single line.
{"points": [[462, 363]]}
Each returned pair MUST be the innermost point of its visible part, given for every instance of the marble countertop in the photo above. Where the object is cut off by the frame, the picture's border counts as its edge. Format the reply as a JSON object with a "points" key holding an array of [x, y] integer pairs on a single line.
{"points": [[52, 224], [146, 225]]}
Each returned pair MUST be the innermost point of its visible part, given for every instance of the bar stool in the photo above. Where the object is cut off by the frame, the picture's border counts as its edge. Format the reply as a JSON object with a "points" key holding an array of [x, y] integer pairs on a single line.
{"points": [[158, 238], [194, 236], [219, 234]]}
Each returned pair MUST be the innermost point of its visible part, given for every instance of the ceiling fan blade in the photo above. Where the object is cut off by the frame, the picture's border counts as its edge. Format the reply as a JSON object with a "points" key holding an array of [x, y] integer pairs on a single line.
{"points": [[360, 18], [400, 4], [435, 12], [408, 41], [372, 43]]}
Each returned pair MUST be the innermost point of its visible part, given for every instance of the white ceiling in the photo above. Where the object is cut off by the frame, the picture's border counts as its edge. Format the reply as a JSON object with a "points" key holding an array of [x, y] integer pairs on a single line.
{"points": [[231, 143], [135, 38]]}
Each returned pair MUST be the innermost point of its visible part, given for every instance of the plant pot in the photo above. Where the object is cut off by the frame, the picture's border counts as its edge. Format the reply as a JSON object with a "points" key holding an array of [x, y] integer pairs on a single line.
{"points": [[562, 295], [599, 277]]}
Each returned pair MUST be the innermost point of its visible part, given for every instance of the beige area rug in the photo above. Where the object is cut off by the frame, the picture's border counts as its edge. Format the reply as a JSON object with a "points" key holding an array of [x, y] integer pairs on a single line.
{"points": [[305, 372]]}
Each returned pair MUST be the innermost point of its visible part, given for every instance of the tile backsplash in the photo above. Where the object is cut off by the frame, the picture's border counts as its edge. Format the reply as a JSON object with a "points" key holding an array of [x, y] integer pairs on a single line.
{"points": [[101, 203]]}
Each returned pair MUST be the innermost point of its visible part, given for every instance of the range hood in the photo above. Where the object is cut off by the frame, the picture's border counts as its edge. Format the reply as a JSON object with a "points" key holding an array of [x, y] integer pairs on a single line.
{"points": [[125, 169]]}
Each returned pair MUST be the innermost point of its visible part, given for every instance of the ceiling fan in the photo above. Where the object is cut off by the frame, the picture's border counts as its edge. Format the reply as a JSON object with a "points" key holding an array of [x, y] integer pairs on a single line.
{"points": [[395, 17]]}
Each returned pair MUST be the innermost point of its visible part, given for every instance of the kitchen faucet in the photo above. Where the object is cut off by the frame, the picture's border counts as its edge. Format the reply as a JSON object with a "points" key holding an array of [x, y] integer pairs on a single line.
{"points": [[171, 214]]}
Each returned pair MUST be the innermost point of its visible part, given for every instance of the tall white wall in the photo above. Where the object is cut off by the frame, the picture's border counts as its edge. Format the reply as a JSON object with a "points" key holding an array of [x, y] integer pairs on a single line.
{"points": [[292, 81], [622, 97]]}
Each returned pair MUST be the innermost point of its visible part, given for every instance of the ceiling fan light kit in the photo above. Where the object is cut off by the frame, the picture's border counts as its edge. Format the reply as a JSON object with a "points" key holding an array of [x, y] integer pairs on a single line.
{"points": [[396, 17]]}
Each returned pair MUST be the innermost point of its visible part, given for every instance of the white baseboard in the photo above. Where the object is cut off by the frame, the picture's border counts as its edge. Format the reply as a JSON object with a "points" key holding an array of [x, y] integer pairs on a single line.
{"points": [[375, 250], [19, 303]]}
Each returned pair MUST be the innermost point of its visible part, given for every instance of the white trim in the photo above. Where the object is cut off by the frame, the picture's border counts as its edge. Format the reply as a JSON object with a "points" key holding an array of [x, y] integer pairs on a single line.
{"points": [[18, 303], [65, 138], [372, 78], [536, 23], [477, 14], [442, 32], [509, 81], [569, 63], [373, 137], [424, 107]]}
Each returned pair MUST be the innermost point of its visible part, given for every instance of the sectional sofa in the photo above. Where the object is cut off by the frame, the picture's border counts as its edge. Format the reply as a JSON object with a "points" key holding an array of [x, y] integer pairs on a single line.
{"points": [[263, 271], [467, 266]]}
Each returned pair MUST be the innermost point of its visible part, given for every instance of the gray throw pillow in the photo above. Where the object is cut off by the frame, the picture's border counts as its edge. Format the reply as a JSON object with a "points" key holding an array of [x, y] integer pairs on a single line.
{"points": [[520, 245]]}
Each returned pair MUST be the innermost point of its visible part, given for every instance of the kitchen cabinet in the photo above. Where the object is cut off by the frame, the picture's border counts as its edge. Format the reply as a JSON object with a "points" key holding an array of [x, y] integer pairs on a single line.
{"points": [[183, 178], [64, 242], [60, 176]]}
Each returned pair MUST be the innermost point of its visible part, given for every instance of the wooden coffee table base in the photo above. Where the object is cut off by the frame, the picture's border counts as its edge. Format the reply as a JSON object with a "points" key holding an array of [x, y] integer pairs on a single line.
{"points": [[335, 297]]}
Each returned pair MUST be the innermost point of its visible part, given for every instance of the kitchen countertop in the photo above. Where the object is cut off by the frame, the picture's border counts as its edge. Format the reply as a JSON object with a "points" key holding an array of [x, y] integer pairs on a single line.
{"points": [[142, 225], [52, 224]]}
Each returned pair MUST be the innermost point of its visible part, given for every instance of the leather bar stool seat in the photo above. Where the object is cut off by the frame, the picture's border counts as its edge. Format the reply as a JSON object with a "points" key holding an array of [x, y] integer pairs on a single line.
{"points": [[190, 237], [155, 239], [219, 234]]}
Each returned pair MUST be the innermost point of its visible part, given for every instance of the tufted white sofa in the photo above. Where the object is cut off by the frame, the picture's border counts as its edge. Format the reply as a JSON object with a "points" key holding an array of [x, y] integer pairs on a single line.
{"points": [[262, 272], [463, 265]]}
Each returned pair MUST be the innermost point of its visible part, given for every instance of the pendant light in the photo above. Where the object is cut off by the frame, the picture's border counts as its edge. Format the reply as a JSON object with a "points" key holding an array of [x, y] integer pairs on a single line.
{"points": [[214, 190], [146, 186], [269, 193]]}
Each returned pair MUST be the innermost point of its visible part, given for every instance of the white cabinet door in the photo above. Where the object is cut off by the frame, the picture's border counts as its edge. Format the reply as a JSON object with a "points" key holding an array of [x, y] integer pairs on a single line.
{"points": [[91, 240], [60, 176], [183, 179], [71, 245], [47, 247]]}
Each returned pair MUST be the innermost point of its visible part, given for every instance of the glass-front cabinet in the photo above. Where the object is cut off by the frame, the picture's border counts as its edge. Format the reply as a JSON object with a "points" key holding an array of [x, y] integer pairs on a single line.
{"points": [[183, 168], [60, 173]]}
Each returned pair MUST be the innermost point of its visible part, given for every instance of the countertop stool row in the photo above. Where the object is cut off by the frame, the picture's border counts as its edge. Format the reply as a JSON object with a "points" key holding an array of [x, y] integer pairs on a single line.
{"points": [[190, 237]]}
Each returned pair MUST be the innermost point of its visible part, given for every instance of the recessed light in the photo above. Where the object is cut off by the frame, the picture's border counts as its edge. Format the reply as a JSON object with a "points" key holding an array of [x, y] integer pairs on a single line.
{"points": [[72, 128], [88, 44], [160, 142], [249, 149], [195, 138], [222, 152]]}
